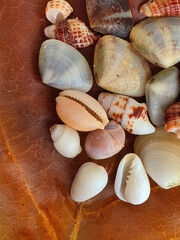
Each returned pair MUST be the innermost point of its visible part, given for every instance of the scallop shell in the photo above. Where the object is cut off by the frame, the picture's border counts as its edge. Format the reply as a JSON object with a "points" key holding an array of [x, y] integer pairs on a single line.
{"points": [[119, 68], [63, 67], [104, 143], [160, 153], [89, 181], [158, 40], [161, 91], [172, 119], [112, 17], [161, 8], [131, 182], [129, 113], [73, 32], [80, 111]]}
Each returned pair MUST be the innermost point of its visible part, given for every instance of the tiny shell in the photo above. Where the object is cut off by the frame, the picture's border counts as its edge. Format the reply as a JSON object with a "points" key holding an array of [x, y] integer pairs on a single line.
{"points": [[90, 180]]}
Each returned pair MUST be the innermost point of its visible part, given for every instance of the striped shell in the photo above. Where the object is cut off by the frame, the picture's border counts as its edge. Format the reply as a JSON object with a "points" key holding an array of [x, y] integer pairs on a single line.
{"points": [[73, 32], [57, 10], [80, 111], [161, 8]]}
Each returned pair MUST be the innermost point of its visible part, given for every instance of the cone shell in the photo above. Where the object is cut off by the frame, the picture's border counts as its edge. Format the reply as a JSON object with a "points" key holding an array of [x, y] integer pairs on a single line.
{"points": [[80, 111], [158, 40], [119, 68], [73, 32], [63, 67], [161, 8], [160, 153], [129, 113], [172, 119], [110, 17]]}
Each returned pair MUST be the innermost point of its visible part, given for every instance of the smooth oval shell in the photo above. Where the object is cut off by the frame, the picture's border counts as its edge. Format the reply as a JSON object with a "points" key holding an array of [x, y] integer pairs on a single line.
{"points": [[62, 66], [160, 153], [158, 40], [101, 144], [161, 91], [80, 111], [112, 17], [119, 68], [90, 180], [131, 182]]}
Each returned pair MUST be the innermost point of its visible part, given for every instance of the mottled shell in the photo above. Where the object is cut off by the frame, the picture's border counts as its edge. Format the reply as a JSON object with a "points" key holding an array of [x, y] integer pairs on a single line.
{"points": [[161, 8], [73, 32], [131, 182], [129, 113], [62, 66], [57, 10], [80, 111], [158, 40], [89, 181], [161, 91], [119, 68], [112, 17], [172, 119], [104, 143]]}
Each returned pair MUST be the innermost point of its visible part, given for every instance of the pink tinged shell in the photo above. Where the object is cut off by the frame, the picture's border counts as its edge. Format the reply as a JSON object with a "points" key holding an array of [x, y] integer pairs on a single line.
{"points": [[73, 32], [129, 113], [101, 144], [57, 10], [161, 8]]}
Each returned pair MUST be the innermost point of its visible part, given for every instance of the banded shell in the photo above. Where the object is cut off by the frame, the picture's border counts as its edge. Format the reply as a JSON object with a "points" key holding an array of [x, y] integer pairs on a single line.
{"points": [[112, 17], [80, 111], [89, 181], [131, 182], [160, 153], [158, 40], [62, 66], [58, 10], [104, 143], [73, 32], [161, 91], [172, 119], [119, 68], [126, 111], [161, 8]]}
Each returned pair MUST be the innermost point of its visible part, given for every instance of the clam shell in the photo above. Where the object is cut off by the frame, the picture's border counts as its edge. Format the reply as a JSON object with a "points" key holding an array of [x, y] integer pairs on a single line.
{"points": [[80, 111], [158, 40], [62, 66], [119, 68], [112, 17], [160, 153], [131, 182], [161, 91]]}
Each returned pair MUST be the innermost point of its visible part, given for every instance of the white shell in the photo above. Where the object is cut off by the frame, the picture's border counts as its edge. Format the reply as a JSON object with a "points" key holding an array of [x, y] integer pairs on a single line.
{"points": [[90, 180], [66, 140], [132, 183]]}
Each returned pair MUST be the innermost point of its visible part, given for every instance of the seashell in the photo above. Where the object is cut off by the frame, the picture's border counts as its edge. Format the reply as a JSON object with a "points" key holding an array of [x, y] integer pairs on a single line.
{"points": [[90, 180], [161, 91], [57, 10], [172, 119], [63, 67], [161, 8], [126, 111], [73, 32], [158, 40], [112, 17], [160, 153], [80, 111], [131, 182], [101, 144], [66, 140], [119, 68]]}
